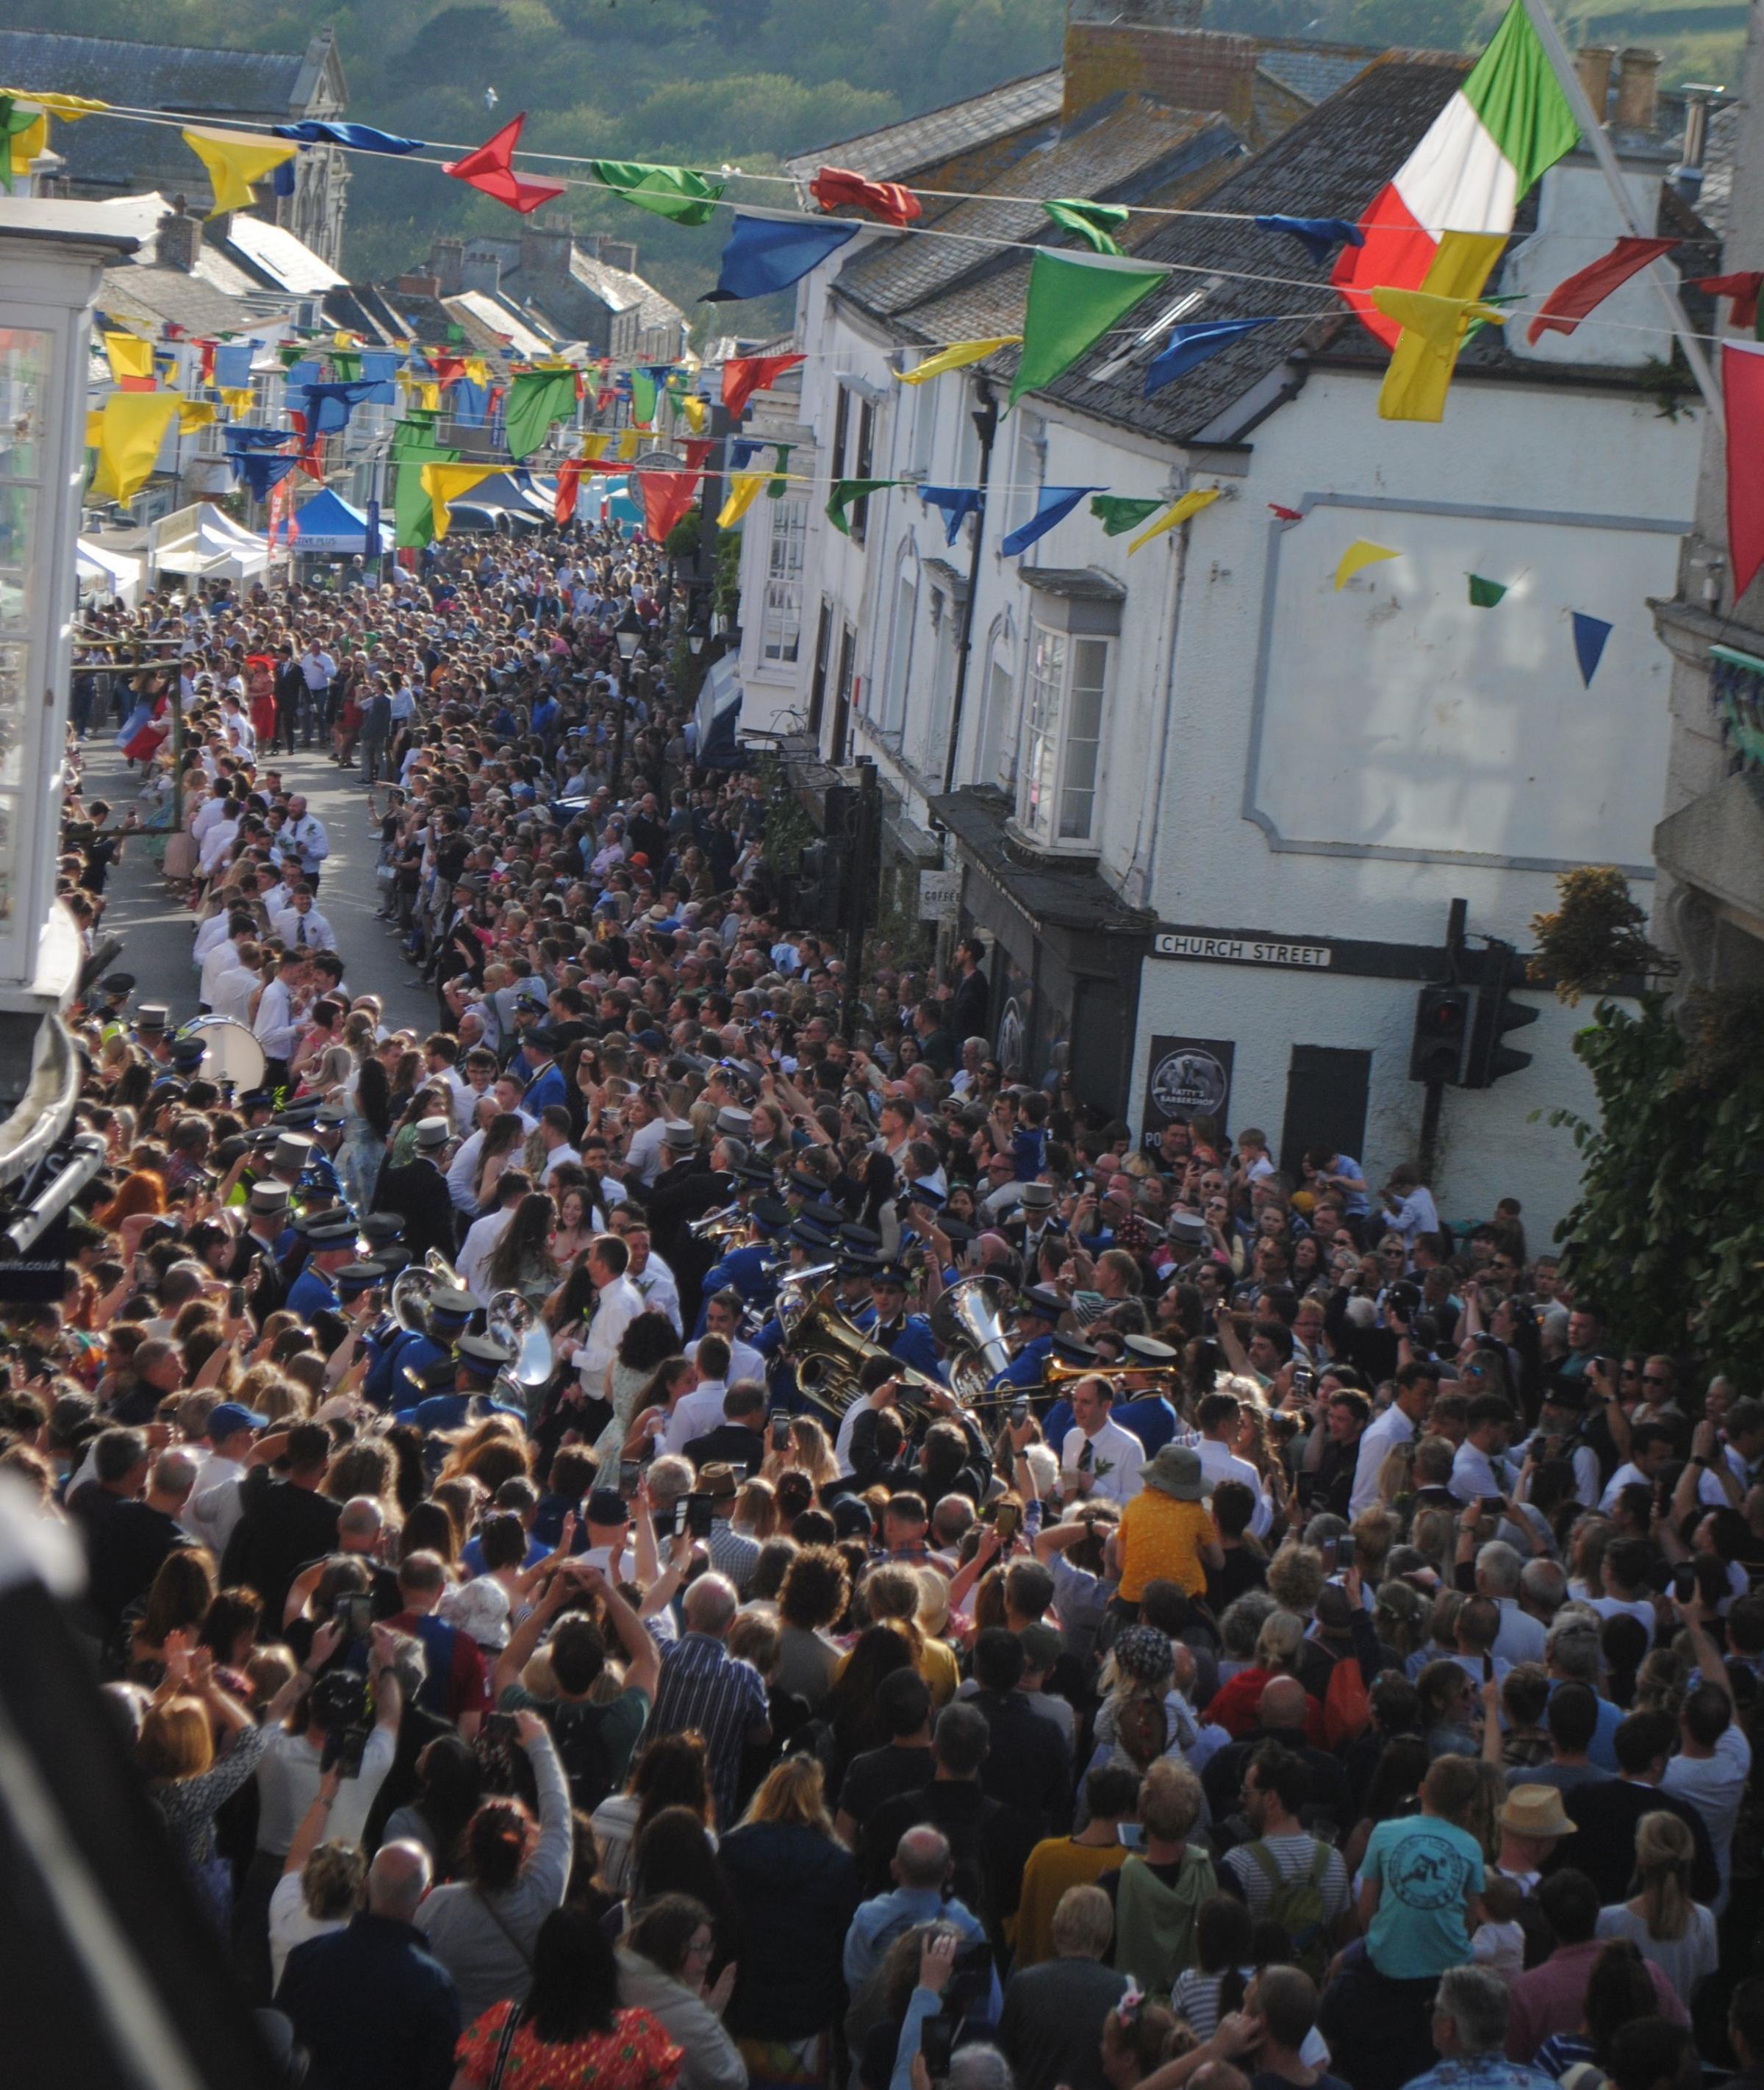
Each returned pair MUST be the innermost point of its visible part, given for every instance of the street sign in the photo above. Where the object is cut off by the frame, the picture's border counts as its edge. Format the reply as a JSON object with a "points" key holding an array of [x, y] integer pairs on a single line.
{"points": [[940, 893]]}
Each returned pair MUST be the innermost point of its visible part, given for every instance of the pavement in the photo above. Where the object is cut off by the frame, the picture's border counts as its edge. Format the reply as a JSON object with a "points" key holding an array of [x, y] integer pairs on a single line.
{"points": [[157, 931]]}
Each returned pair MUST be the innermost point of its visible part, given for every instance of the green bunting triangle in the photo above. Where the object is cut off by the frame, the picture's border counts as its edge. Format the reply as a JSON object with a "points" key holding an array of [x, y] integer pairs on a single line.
{"points": [[845, 492], [1073, 303], [777, 485], [671, 192], [413, 511], [536, 398], [1485, 594], [1117, 514], [1096, 223], [642, 396]]}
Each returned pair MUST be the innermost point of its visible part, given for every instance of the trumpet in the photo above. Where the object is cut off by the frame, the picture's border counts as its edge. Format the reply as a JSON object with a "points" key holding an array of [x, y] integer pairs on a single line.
{"points": [[1054, 1377], [718, 1225]]}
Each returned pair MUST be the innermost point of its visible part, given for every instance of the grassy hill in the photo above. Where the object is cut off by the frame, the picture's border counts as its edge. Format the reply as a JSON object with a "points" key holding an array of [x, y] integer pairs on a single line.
{"points": [[740, 83]]}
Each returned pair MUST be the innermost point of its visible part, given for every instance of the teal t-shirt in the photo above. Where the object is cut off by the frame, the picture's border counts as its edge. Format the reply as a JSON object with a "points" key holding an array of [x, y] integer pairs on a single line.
{"points": [[1427, 1869]]}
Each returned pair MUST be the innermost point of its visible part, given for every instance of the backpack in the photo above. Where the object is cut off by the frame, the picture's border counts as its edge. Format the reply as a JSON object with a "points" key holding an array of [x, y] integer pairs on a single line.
{"points": [[1297, 1905], [581, 1750], [1142, 1728]]}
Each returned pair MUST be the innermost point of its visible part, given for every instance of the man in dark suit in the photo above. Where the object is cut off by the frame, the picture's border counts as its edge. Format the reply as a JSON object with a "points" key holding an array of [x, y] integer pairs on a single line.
{"points": [[417, 1193], [283, 1524], [739, 1439], [970, 1002]]}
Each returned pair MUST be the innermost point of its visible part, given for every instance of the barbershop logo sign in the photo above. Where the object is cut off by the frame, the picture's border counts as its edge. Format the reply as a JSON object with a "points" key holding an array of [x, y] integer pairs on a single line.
{"points": [[1188, 1077]]}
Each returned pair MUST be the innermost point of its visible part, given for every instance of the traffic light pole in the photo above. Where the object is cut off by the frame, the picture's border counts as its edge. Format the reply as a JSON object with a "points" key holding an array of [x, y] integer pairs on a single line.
{"points": [[865, 873], [1427, 1158]]}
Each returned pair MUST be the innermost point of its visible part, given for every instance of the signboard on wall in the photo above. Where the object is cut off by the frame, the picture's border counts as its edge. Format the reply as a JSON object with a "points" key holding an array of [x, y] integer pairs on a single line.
{"points": [[1186, 1077], [940, 893]]}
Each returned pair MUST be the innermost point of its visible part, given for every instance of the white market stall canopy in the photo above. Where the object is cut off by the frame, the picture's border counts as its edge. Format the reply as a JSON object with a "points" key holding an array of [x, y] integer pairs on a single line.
{"points": [[205, 543], [106, 571]]}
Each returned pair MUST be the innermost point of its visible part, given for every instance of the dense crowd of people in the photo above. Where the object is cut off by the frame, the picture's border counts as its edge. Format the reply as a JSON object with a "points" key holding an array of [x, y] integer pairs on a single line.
{"points": [[640, 1539]]}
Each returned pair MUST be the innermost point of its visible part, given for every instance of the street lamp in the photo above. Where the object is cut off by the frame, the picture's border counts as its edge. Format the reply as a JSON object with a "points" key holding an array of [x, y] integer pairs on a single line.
{"points": [[628, 633], [696, 636]]}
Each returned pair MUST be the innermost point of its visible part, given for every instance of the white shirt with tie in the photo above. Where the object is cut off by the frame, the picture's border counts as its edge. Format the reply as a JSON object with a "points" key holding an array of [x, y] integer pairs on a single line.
{"points": [[1115, 1457], [306, 932]]}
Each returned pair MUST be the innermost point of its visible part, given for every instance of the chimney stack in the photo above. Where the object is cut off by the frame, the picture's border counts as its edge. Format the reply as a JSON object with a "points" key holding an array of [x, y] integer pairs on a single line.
{"points": [[545, 245], [414, 284], [1594, 62], [447, 260], [1156, 48], [1638, 89], [179, 239]]}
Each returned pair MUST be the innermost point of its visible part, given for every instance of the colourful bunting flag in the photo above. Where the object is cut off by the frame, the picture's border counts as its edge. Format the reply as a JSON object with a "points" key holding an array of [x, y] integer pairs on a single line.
{"points": [[1118, 514], [131, 361], [536, 398], [259, 470], [766, 253], [743, 376], [71, 108], [194, 414], [235, 159], [233, 365], [697, 411], [329, 407], [1591, 634], [1742, 290], [744, 490], [1362, 553], [1742, 385], [1573, 299], [781, 456], [1485, 594], [414, 512], [237, 399], [1190, 504], [891, 202], [955, 503], [594, 443], [358, 137], [1319, 236], [29, 144], [628, 444], [670, 192], [956, 357], [1095, 223], [1506, 123], [667, 495], [1287, 514], [642, 398], [16, 123], [1053, 504], [131, 425], [1193, 344], [491, 169], [1073, 302], [257, 439], [564, 502], [445, 484], [1433, 322], [845, 492]]}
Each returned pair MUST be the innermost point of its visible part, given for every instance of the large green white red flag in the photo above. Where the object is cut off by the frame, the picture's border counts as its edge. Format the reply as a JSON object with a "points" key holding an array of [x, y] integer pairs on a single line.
{"points": [[1507, 121]]}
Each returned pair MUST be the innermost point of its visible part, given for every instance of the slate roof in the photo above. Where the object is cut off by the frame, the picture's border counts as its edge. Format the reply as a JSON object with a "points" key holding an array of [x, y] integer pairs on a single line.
{"points": [[1131, 150], [99, 151], [284, 261], [1715, 200], [1317, 70], [1330, 165], [157, 293], [901, 150], [618, 290]]}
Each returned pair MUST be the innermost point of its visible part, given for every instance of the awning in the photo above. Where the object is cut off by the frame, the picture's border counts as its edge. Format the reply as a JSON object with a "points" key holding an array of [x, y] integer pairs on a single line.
{"points": [[327, 525], [205, 543], [717, 714], [108, 572]]}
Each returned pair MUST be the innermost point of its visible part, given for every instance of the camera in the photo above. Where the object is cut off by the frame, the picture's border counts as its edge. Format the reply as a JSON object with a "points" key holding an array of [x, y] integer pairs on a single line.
{"points": [[354, 1613]]}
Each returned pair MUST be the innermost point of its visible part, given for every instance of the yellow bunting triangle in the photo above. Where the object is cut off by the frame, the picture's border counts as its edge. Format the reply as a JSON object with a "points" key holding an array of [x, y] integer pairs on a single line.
{"points": [[955, 356], [446, 482], [129, 355], [1361, 553], [594, 444], [627, 446], [234, 159], [194, 414], [131, 425], [1190, 504], [697, 413], [29, 144], [237, 399], [743, 489], [71, 108], [1435, 321]]}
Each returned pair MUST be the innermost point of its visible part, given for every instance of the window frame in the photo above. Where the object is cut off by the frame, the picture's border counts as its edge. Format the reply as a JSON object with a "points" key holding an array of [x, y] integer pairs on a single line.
{"points": [[1056, 766], [789, 527]]}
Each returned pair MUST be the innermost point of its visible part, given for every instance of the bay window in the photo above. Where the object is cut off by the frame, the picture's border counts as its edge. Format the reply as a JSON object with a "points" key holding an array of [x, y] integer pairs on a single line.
{"points": [[1063, 716]]}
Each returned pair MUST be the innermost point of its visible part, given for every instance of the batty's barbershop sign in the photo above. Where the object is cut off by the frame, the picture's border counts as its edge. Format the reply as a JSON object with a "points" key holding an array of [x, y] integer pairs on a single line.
{"points": [[1211, 948]]}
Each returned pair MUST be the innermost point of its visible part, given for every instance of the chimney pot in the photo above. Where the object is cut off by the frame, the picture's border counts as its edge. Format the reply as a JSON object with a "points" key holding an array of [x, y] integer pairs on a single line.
{"points": [[1594, 62], [179, 240], [1638, 89]]}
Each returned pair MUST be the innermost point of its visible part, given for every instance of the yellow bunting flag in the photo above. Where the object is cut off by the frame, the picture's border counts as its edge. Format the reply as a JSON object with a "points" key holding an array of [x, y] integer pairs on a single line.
{"points": [[94, 427], [445, 483], [130, 357], [234, 159], [71, 108], [1190, 504], [237, 399], [955, 356], [697, 413], [594, 444], [477, 370], [1361, 553], [627, 446], [29, 144], [429, 397], [1435, 321], [131, 425], [743, 489], [193, 414]]}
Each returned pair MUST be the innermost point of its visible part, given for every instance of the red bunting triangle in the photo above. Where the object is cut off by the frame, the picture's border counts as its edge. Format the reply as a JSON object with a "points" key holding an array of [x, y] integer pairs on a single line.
{"points": [[668, 495], [1572, 299], [568, 478], [887, 200], [491, 169], [309, 461], [1743, 289], [743, 376], [448, 369]]}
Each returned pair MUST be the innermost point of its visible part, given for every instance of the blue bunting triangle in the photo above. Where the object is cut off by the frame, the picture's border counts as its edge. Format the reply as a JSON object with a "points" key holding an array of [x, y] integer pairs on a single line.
{"points": [[956, 503], [360, 137], [1192, 345], [261, 471], [329, 407], [1591, 634], [1054, 505], [1319, 236], [255, 439], [768, 254]]}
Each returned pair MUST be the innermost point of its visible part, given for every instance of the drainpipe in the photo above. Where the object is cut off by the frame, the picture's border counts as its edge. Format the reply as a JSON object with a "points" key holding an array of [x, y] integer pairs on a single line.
{"points": [[986, 420]]}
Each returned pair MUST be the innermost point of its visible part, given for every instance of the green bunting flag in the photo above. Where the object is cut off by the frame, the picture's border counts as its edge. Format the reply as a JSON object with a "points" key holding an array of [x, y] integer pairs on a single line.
{"points": [[778, 485], [671, 192], [1485, 594], [643, 397], [845, 492], [413, 511], [1073, 303], [1096, 223], [415, 431], [536, 398], [1117, 514], [14, 122]]}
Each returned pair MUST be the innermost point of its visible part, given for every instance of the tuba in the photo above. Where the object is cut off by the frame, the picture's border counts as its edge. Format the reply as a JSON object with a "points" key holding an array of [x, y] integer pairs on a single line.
{"points": [[412, 1289], [968, 1320], [827, 1352], [514, 1320]]}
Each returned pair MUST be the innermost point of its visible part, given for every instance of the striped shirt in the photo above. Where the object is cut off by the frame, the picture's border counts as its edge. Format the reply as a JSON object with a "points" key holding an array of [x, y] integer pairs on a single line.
{"points": [[704, 1686]]}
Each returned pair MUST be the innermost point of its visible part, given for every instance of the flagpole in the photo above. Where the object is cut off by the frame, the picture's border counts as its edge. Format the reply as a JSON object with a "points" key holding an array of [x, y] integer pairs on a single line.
{"points": [[1593, 131]]}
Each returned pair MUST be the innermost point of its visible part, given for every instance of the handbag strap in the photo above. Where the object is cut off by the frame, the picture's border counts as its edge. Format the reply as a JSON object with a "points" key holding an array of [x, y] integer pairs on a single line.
{"points": [[511, 2025], [495, 1914]]}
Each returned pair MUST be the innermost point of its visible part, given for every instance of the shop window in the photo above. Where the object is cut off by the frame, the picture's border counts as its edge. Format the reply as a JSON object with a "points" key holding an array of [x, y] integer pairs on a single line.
{"points": [[1063, 737], [781, 624]]}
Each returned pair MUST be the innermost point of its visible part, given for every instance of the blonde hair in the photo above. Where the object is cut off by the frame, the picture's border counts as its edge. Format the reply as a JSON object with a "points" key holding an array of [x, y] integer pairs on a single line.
{"points": [[893, 1597], [1279, 1643], [793, 1794], [1170, 1799], [1295, 1577], [177, 1740], [1663, 1851]]}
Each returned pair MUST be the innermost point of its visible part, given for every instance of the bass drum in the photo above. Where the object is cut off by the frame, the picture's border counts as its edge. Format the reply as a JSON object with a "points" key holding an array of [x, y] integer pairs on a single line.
{"points": [[231, 1053]]}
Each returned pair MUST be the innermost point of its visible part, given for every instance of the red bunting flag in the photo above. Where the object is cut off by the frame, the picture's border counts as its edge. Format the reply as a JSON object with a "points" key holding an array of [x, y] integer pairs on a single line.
{"points": [[310, 463], [1743, 289], [1287, 514], [743, 376], [887, 200], [1742, 385], [207, 376], [569, 479], [1572, 299], [448, 369], [668, 495], [491, 169]]}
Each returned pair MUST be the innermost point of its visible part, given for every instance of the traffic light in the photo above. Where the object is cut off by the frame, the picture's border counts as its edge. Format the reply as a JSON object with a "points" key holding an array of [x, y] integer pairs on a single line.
{"points": [[1443, 1018], [1497, 1014], [822, 884]]}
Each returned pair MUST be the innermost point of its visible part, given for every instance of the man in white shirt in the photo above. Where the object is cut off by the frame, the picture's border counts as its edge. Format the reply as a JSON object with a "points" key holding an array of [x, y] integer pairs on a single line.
{"points": [[698, 1413], [221, 956], [278, 1010], [219, 839], [214, 1507], [235, 991], [301, 924], [653, 1278], [1416, 1385], [722, 1317], [1651, 1454], [554, 1137], [303, 843], [645, 1153], [617, 1305], [1220, 1414], [1479, 1470], [1099, 1457], [513, 1184], [1714, 1762], [1409, 1206], [1742, 1455]]}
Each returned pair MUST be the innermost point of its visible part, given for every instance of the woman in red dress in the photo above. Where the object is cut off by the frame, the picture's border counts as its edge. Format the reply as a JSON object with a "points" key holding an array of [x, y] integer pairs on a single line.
{"points": [[570, 2033], [260, 691]]}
